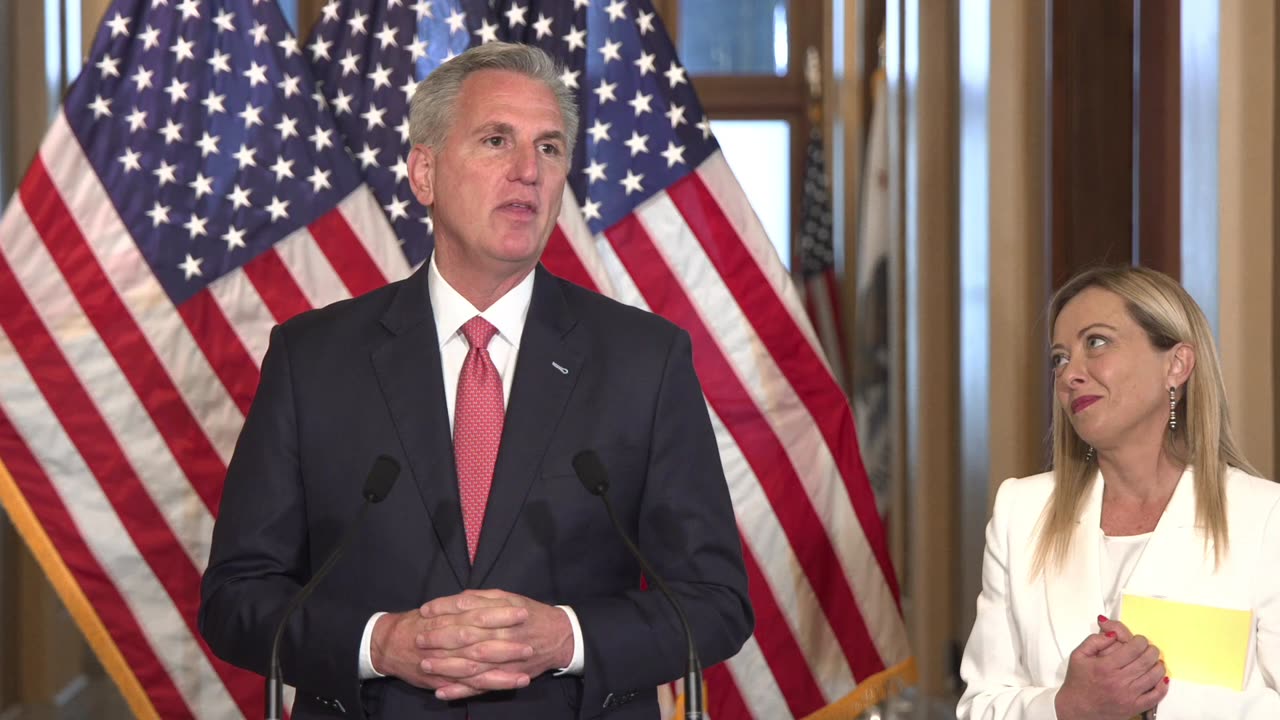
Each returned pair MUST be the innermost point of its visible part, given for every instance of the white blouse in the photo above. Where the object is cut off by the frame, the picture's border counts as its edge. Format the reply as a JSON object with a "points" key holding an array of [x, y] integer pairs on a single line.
{"points": [[1120, 555]]}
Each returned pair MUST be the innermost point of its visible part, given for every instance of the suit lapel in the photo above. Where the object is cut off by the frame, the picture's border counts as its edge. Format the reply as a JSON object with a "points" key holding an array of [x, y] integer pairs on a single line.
{"points": [[412, 384], [1075, 589], [547, 369]]}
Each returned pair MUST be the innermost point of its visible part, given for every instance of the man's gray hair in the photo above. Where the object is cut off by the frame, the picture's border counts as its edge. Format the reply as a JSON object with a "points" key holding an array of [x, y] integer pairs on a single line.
{"points": [[432, 108]]}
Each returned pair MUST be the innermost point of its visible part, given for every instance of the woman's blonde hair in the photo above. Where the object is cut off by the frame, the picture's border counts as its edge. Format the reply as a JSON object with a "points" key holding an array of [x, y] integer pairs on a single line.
{"points": [[1203, 439]]}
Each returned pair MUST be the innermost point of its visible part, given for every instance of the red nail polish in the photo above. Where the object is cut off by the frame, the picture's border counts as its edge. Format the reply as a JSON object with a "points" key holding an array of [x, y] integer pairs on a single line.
{"points": [[1111, 634], [1102, 619], [1166, 679]]}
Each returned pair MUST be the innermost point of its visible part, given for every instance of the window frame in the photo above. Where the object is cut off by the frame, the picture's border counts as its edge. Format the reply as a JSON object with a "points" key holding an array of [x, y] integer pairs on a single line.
{"points": [[767, 97]]}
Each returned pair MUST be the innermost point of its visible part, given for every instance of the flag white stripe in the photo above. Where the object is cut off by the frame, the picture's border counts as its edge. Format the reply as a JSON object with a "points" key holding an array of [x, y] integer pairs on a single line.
{"points": [[302, 257], [369, 223], [624, 288], [132, 281], [98, 525], [748, 669], [99, 374], [245, 312], [584, 245], [778, 403]]}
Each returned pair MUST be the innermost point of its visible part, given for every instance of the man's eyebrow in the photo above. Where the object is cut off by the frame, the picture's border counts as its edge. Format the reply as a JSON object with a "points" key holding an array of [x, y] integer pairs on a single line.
{"points": [[504, 128], [499, 127], [554, 135]]}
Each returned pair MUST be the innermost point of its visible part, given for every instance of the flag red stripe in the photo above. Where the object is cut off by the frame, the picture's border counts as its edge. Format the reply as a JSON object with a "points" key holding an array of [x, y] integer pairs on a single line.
{"points": [[819, 293], [280, 292], [724, 700], [563, 261], [837, 315], [223, 349], [790, 668], [117, 329], [348, 256], [101, 593], [798, 361], [102, 453], [760, 446]]}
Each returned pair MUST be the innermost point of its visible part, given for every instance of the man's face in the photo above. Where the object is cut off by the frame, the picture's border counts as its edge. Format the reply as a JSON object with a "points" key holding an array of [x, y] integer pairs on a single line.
{"points": [[495, 186]]}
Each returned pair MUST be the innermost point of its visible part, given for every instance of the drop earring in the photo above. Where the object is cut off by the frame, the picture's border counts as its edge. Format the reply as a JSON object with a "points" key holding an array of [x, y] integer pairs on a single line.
{"points": [[1173, 413], [1088, 454]]}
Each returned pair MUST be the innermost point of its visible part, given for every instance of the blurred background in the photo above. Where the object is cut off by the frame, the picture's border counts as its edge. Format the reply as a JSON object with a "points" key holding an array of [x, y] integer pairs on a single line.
{"points": [[972, 155]]}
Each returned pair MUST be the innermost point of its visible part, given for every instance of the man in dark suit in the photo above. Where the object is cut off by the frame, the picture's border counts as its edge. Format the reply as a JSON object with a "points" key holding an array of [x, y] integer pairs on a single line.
{"points": [[489, 584]]}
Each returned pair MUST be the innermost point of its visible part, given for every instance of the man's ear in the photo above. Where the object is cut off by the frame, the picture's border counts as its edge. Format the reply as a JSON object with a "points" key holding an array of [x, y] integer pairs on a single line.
{"points": [[422, 161], [1182, 360]]}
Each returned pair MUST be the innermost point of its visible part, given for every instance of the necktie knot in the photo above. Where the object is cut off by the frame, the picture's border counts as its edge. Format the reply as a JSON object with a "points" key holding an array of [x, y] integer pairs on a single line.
{"points": [[478, 332]]}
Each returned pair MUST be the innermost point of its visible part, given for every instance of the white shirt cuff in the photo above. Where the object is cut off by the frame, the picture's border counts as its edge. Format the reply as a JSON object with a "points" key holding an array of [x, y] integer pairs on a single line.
{"points": [[367, 671], [579, 656]]}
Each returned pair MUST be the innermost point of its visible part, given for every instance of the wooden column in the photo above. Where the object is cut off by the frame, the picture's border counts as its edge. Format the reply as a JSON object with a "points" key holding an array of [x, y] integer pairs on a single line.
{"points": [[1157, 130], [1275, 230], [1091, 115], [1115, 135], [930, 84]]}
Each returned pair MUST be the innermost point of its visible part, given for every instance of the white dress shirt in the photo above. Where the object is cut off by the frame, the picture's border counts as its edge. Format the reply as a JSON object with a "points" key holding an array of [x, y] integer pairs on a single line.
{"points": [[452, 311]]}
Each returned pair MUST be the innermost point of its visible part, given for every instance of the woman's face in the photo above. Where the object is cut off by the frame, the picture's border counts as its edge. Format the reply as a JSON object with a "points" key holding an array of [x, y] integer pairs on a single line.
{"points": [[1108, 377]]}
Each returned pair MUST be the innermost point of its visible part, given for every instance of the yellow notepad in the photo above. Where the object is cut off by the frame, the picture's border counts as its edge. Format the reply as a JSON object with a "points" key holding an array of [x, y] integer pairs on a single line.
{"points": [[1199, 643]]}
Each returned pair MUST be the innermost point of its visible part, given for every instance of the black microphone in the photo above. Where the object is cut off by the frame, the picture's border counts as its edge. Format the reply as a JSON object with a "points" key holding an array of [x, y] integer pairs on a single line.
{"points": [[595, 479], [381, 477]]}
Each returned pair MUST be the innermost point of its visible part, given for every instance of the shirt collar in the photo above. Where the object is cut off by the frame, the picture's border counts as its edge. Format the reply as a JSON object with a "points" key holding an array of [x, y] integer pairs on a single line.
{"points": [[452, 310]]}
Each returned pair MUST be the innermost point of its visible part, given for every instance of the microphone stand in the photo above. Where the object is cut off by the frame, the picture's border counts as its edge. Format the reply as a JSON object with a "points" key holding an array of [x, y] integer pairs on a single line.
{"points": [[381, 477], [275, 688], [693, 702]]}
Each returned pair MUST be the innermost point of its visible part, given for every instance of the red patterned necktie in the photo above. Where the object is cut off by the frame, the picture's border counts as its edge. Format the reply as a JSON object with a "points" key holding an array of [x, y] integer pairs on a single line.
{"points": [[477, 427]]}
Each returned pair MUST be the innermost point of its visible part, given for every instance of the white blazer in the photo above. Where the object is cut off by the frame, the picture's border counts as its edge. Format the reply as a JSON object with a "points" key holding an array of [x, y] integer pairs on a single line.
{"points": [[1025, 630]]}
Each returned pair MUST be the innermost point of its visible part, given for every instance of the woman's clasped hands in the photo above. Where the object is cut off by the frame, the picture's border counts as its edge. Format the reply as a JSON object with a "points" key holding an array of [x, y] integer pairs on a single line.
{"points": [[1112, 675]]}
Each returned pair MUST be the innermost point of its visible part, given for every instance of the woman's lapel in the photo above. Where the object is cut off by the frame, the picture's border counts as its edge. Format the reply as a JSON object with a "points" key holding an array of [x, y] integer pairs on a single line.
{"points": [[1075, 588]]}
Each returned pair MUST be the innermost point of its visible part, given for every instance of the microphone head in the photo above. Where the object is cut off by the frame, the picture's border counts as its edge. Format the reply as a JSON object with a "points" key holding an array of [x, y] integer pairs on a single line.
{"points": [[591, 472], [382, 476]]}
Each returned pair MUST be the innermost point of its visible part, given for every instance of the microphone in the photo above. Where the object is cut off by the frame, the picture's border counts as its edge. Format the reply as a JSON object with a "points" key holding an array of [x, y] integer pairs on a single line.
{"points": [[595, 479], [381, 477]]}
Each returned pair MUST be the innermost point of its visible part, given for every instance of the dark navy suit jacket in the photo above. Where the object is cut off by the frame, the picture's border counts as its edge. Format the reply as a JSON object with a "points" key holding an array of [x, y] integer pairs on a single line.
{"points": [[346, 383]]}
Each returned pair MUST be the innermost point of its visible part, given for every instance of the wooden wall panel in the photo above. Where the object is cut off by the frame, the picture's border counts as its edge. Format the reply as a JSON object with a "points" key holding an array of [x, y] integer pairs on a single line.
{"points": [[1246, 234]]}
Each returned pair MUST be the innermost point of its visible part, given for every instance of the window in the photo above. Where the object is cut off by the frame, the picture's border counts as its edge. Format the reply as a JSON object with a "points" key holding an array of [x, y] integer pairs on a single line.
{"points": [[759, 153], [746, 59], [756, 42]]}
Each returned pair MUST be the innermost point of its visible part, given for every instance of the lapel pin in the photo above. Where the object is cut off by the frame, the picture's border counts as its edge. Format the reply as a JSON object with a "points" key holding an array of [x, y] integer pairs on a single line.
{"points": [[563, 370]]}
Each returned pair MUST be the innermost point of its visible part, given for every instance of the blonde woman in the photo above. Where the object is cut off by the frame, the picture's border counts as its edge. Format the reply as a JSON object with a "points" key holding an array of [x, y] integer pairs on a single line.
{"points": [[1149, 495]]}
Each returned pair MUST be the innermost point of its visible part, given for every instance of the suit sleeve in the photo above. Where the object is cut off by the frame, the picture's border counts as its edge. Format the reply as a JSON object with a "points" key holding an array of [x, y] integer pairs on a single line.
{"points": [[1265, 701], [687, 530], [260, 555], [998, 685]]}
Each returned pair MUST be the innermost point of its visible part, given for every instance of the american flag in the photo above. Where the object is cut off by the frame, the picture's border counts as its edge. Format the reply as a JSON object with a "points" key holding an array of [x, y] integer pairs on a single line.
{"points": [[818, 258], [192, 192], [653, 217]]}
